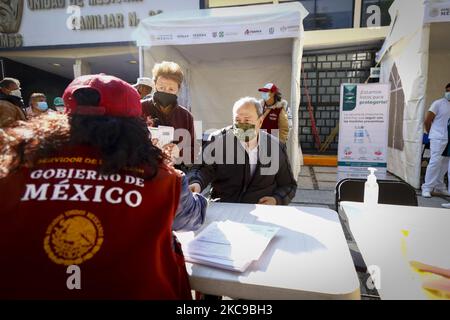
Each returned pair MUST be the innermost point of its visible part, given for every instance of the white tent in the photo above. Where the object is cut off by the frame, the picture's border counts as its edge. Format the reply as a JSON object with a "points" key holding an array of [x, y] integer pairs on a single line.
{"points": [[415, 59], [229, 53]]}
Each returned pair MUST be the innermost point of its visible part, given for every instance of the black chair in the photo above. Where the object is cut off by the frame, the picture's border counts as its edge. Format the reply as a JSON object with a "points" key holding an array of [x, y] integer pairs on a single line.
{"points": [[390, 192]]}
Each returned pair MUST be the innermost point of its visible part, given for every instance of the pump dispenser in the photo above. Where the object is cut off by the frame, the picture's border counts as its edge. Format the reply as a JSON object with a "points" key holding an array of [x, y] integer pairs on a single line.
{"points": [[371, 188]]}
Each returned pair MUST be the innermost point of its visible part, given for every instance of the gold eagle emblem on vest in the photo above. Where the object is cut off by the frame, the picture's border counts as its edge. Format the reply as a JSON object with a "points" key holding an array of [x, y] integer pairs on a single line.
{"points": [[73, 237]]}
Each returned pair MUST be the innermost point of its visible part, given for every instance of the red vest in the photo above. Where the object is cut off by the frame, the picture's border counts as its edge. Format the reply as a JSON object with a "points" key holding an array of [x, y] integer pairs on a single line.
{"points": [[271, 120], [117, 229]]}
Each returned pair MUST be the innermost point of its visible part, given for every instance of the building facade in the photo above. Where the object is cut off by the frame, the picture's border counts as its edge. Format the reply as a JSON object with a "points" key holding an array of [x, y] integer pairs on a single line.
{"points": [[358, 28], [57, 40], [54, 41]]}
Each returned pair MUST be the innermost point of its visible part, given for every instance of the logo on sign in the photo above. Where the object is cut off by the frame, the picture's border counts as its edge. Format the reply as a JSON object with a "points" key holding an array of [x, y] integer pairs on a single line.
{"points": [[10, 20], [199, 35], [164, 37], [219, 34], [289, 28], [250, 32], [378, 153], [11, 13], [348, 152], [349, 97], [434, 12]]}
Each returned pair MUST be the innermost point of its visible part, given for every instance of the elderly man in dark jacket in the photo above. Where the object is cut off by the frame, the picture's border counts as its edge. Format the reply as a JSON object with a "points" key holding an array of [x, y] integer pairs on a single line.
{"points": [[245, 164], [11, 103]]}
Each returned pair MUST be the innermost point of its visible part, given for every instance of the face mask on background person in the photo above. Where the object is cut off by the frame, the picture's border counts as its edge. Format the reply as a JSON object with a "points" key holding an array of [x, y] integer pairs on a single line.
{"points": [[165, 99], [244, 131], [42, 105], [265, 96], [447, 96], [16, 93]]}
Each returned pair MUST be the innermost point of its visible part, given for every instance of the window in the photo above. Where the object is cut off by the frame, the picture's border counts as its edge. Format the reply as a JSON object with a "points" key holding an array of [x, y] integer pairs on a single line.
{"points": [[323, 14], [328, 14], [375, 13]]}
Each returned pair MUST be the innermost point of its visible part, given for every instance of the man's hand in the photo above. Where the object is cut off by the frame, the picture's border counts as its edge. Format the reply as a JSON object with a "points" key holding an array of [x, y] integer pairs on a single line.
{"points": [[155, 142], [429, 118], [150, 122], [195, 188], [172, 150], [268, 201]]}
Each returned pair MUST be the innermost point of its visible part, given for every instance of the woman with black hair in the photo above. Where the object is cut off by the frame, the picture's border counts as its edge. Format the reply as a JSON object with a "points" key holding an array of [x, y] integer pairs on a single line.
{"points": [[276, 120], [88, 191]]}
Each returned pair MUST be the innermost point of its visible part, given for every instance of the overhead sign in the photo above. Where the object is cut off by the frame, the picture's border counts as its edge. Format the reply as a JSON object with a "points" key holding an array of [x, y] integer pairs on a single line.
{"points": [[363, 130], [26, 23], [437, 12], [218, 34]]}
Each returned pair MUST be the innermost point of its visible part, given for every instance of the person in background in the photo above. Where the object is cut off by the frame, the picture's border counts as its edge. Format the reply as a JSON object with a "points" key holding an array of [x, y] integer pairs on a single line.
{"points": [[163, 107], [144, 86], [58, 104], [275, 112], [87, 189], [435, 124], [446, 153], [38, 105], [243, 152], [11, 103]]}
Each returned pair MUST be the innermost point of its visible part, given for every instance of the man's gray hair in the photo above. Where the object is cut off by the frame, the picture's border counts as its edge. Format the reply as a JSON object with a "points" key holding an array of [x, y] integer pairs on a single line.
{"points": [[246, 100], [7, 82]]}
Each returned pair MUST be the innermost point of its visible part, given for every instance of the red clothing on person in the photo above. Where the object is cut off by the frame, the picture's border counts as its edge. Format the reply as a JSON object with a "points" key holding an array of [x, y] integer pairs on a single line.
{"points": [[276, 118], [271, 120], [116, 228]]}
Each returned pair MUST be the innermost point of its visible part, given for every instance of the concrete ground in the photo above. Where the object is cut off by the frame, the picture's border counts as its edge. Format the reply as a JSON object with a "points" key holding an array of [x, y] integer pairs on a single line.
{"points": [[316, 187]]}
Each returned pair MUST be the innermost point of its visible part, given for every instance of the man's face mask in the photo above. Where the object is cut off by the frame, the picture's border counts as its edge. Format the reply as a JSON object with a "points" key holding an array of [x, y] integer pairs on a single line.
{"points": [[165, 99], [42, 105], [244, 131], [447, 95], [16, 93], [265, 96]]}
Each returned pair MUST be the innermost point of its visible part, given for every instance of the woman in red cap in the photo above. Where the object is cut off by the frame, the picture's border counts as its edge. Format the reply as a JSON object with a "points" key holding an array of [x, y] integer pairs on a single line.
{"points": [[275, 112], [91, 203]]}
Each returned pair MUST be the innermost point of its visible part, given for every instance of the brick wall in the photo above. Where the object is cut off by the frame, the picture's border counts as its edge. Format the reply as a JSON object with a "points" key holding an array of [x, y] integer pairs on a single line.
{"points": [[324, 74]]}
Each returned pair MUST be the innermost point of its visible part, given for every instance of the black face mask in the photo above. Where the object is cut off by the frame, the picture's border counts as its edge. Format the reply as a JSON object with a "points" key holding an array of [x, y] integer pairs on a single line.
{"points": [[165, 99]]}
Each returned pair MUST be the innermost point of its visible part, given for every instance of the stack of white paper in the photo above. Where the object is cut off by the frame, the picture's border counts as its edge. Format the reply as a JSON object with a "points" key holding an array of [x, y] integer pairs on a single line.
{"points": [[164, 135], [229, 245]]}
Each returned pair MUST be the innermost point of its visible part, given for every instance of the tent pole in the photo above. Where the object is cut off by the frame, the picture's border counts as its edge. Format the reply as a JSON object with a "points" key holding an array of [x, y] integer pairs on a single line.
{"points": [[141, 62]]}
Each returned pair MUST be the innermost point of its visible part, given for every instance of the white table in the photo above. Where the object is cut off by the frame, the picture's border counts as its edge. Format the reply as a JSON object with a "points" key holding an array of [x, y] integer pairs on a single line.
{"points": [[307, 259], [383, 245]]}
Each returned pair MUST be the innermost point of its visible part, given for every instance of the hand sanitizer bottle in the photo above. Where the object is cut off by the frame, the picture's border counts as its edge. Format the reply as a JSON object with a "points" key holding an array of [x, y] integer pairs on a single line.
{"points": [[371, 188]]}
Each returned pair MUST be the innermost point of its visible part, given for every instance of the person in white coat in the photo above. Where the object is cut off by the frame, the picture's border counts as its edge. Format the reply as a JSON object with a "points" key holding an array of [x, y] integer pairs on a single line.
{"points": [[436, 125]]}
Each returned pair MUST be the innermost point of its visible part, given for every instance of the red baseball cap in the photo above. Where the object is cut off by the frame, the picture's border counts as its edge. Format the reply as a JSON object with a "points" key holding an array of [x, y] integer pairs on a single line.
{"points": [[117, 97], [269, 87]]}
